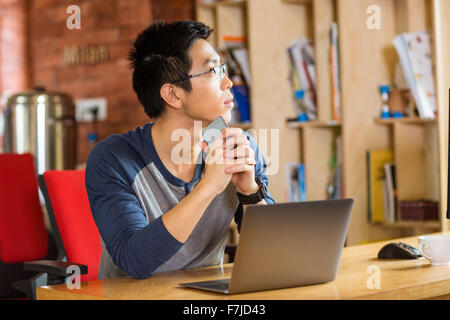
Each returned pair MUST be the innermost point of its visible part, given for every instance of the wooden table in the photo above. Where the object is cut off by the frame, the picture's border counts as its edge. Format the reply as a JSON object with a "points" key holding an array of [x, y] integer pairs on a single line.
{"points": [[399, 279]]}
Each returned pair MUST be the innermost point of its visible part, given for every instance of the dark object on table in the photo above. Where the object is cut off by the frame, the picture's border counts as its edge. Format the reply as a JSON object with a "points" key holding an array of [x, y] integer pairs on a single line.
{"points": [[398, 250]]}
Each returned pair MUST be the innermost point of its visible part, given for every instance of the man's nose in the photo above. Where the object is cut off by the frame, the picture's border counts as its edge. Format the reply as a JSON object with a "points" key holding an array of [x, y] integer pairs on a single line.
{"points": [[226, 83]]}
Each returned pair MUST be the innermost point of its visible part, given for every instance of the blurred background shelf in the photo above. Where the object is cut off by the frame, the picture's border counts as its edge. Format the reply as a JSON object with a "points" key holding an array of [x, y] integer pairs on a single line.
{"points": [[411, 120], [243, 126], [367, 59], [299, 1], [312, 124], [236, 3], [428, 224]]}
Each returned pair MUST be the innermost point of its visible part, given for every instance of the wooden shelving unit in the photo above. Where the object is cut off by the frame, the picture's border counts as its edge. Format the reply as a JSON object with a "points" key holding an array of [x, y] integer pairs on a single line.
{"points": [[227, 18], [229, 3], [410, 120], [299, 1], [262, 23], [441, 32], [317, 124], [243, 126], [415, 144], [430, 224], [367, 60]]}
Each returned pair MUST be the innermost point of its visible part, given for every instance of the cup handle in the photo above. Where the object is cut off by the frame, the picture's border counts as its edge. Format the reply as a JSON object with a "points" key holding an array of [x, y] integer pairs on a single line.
{"points": [[422, 246]]}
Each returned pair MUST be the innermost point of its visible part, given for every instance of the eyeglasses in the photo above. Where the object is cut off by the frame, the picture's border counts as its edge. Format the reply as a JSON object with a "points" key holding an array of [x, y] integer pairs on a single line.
{"points": [[220, 71]]}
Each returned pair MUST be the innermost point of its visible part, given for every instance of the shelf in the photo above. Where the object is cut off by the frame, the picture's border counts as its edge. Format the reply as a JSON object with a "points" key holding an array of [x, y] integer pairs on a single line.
{"points": [[243, 126], [428, 224], [299, 1], [314, 124], [229, 3], [413, 120]]}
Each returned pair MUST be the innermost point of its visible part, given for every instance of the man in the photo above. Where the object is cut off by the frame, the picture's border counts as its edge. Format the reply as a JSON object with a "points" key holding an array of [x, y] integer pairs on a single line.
{"points": [[155, 213]]}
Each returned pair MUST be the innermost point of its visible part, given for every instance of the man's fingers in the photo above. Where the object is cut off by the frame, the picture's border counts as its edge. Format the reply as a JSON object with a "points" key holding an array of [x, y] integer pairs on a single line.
{"points": [[228, 132], [234, 141], [239, 152], [247, 166]]}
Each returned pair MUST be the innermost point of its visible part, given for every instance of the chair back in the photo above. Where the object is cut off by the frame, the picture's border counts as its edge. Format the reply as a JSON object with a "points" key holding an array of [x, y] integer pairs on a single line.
{"points": [[74, 228], [23, 236]]}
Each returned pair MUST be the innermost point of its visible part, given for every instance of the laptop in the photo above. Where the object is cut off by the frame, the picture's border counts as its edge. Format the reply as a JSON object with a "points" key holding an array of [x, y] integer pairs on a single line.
{"points": [[286, 245]]}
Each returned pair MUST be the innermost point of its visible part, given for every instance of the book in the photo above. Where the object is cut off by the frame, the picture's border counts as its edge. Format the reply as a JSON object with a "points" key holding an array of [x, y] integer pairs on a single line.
{"points": [[376, 159], [234, 70], [295, 181], [414, 52], [240, 55], [293, 191], [301, 181], [390, 196], [301, 58], [309, 68], [386, 201], [335, 73], [335, 188], [242, 98], [297, 93], [241, 80]]}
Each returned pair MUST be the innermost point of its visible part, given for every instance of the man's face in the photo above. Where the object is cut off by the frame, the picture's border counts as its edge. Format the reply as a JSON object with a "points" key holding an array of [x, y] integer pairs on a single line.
{"points": [[210, 96]]}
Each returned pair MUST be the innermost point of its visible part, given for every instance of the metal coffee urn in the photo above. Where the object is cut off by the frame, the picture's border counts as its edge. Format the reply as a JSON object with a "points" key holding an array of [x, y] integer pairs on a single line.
{"points": [[42, 123]]}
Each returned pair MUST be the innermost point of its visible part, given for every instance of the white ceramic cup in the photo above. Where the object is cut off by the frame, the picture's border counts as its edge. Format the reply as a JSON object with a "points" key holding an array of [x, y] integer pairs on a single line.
{"points": [[436, 249]]}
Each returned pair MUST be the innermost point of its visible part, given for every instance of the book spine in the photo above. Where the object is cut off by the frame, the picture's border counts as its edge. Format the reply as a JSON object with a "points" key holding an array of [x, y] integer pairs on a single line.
{"points": [[301, 181], [369, 191], [335, 85]]}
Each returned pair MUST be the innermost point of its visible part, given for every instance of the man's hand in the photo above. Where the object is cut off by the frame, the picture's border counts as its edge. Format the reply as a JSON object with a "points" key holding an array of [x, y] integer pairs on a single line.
{"points": [[215, 175], [240, 160]]}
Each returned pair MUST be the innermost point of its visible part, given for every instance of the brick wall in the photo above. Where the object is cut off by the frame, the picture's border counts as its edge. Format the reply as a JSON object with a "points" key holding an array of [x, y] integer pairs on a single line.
{"points": [[177, 10], [114, 23], [14, 62]]}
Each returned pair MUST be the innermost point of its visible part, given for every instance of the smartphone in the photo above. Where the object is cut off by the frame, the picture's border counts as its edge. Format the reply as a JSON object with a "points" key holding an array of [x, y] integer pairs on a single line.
{"points": [[212, 131]]}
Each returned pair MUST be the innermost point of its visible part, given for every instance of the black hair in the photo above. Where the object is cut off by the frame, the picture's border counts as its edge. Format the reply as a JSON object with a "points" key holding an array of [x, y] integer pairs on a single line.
{"points": [[159, 55]]}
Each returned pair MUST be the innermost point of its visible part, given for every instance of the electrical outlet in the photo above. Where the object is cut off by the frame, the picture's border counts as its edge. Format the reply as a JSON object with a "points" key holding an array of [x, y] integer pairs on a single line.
{"points": [[83, 109]]}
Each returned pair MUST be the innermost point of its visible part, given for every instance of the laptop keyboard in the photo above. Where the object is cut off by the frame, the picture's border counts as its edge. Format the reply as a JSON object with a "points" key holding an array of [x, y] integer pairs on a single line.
{"points": [[222, 284]]}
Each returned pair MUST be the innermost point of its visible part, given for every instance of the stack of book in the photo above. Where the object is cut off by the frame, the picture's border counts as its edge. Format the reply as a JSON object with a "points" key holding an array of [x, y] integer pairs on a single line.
{"points": [[295, 178], [414, 52], [236, 58], [382, 186], [303, 78]]}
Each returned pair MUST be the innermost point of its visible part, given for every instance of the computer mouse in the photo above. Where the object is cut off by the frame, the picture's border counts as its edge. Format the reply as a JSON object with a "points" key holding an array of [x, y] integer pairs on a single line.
{"points": [[398, 250]]}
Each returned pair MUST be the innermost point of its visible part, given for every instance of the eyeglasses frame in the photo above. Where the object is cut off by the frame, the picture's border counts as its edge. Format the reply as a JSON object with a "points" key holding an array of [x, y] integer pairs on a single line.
{"points": [[222, 67]]}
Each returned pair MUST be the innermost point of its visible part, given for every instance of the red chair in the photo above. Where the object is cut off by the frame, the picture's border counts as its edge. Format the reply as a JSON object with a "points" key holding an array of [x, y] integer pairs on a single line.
{"points": [[24, 240], [23, 236], [76, 234]]}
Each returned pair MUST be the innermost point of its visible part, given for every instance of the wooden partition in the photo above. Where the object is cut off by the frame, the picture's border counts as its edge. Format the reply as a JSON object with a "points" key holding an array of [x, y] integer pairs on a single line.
{"points": [[272, 26], [324, 13], [318, 148], [441, 30]]}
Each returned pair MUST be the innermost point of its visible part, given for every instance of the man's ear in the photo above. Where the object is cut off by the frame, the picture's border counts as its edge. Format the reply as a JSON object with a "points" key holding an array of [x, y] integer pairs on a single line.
{"points": [[171, 95]]}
